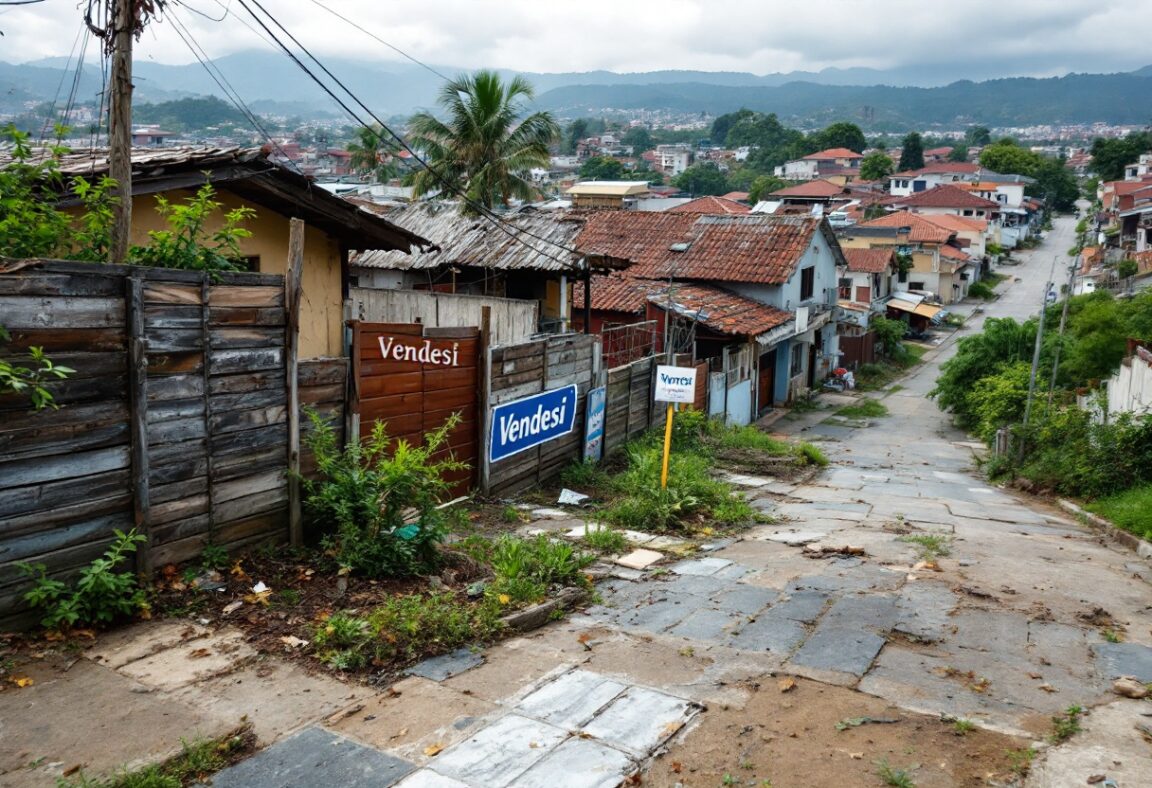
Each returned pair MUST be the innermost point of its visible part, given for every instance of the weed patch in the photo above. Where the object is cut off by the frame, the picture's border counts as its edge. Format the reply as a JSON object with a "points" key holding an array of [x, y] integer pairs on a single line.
{"points": [[866, 409], [930, 546], [1066, 725], [1130, 510], [605, 540], [897, 778]]}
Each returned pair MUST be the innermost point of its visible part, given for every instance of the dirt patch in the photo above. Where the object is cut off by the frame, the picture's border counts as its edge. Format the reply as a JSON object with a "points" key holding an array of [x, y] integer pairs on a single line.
{"points": [[813, 734]]}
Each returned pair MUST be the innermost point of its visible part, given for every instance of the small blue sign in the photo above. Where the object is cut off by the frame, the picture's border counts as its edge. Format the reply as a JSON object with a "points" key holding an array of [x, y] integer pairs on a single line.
{"points": [[521, 424], [594, 424]]}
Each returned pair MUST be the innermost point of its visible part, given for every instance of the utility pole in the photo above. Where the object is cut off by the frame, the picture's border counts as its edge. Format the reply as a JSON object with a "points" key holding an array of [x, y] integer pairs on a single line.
{"points": [[123, 25], [1036, 356], [1063, 321]]}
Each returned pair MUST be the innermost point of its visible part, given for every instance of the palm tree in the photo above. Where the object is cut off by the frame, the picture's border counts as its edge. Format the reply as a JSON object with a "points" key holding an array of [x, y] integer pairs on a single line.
{"points": [[483, 148], [373, 153]]}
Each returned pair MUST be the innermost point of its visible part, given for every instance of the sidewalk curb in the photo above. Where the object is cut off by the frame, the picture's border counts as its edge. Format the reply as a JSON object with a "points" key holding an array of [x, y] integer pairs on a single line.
{"points": [[1111, 531]]}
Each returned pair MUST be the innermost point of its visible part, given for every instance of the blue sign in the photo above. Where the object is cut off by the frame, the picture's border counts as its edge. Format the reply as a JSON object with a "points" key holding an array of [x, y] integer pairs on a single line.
{"points": [[594, 424], [524, 423]]}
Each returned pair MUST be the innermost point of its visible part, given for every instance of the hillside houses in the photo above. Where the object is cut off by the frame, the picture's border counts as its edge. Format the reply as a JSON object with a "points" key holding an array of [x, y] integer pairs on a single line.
{"points": [[832, 163]]}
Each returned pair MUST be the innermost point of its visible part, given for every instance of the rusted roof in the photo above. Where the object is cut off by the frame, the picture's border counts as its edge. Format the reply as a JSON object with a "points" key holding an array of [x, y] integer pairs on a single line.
{"points": [[617, 293], [833, 153], [521, 242], [718, 205], [753, 248], [957, 224], [870, 261], [817, 188], [720, 310], [921, 229], [945, 196], [249, 174]]}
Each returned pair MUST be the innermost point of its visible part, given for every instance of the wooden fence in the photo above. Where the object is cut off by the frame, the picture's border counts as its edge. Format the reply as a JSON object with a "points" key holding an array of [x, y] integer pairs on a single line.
{"points": [[512, 319], [174, 421], [530, 368]]}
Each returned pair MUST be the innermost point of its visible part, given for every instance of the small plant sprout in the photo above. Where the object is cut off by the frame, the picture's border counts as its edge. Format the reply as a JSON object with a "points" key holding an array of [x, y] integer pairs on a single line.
{"points": [[1066, 725], [963, 727], [897, 778], [930, 546], [603, 539]]}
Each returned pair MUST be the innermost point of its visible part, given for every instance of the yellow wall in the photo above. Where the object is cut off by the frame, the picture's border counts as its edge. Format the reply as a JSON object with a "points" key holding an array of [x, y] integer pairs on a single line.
{"points": [[321, 306]]}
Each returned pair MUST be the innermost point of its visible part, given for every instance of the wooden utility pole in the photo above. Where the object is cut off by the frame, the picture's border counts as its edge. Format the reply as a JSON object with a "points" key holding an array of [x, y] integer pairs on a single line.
{"points": [[291, 346], [124, 24]]}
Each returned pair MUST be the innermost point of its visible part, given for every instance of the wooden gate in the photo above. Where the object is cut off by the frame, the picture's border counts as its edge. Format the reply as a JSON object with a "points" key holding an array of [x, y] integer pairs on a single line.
{"points": [[413, 378]]}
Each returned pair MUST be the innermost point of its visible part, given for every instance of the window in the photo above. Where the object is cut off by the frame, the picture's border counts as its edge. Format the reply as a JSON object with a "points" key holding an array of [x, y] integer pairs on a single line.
{"points": [[807, 282], [845, 289], [797, 366], [251, 263], [916, 286]]}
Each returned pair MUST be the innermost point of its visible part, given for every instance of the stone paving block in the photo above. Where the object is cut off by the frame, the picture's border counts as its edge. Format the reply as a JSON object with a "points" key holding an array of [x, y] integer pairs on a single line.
{"points": [[579, 763], [796, 538], [640, 720], [548, 513], [874, 612], [570, 700], [499, 753], [698, 585], [314, 757], [830, 584], [746, 480], [806, 512], [745, 599], [639, 559], [731, 572], [802, 606], [638, 537], [839, 649], [700, 566], [999, 631], [665, 543], [662, 614], [117, 648], [922, 611], [1123, 659], [772, 632], [705, 624], [190, 661], [580, 531], [447, 665], [426, 778]]}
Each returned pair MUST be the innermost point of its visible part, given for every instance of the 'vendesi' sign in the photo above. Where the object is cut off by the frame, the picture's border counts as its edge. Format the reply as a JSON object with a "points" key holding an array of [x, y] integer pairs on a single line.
{"points": [[524, 423]]}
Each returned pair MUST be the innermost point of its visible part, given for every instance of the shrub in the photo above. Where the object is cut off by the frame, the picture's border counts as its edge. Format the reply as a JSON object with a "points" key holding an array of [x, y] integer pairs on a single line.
{"points": [[605, 540], [526, 568], [584, 475], [101, 594], [981, 290], [379, 497], [811, 454]]}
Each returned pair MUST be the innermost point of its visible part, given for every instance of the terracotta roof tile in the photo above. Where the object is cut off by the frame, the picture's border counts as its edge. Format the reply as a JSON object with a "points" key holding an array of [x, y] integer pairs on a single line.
{"points": [[952, 252], [922, 230], [833, 153], [617, 293], [958, 224], [817, 188], [945, 196], [723, 311], [718, 205], [869, 261], [752, 248]]}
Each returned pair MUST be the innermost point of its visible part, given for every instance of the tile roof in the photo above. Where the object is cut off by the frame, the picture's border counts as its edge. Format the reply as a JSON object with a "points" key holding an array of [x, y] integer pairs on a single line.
{"points": [[945, 196], [753, 248], [817, 188], [952, 252], [938, 151], [922, 230], [617, 293], [869, 261], [711, 205], [721, 310], [737, 196], [833, 153], [957, 224]]}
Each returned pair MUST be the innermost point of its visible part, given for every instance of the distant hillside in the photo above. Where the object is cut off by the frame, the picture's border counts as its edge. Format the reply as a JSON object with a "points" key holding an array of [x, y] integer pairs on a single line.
{"points": [[864, 95], [1077, 98]]}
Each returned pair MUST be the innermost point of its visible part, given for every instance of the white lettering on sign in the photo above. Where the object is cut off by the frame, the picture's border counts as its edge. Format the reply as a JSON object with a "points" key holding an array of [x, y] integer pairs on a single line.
{"points": [[391, 350], [675, 384], [513, 429]]}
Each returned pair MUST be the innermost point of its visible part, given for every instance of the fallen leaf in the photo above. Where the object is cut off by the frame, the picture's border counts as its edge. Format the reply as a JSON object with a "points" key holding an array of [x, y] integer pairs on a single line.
{"points": [[291, 641], [856, 756], [672, 727], [199, 653], [259, 598], [22, 681], [786, 685], [71, 770], [1035, 676], [433, 749], [1097, 778], [232, 607], [1048, 688], [676, 767], [238, 570]]}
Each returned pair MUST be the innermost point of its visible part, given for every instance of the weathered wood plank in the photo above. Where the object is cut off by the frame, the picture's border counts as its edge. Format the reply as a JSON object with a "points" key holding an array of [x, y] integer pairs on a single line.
{"points": [[173, 387], [168, 316], [69, 466], [247, 419], [60, 516], [25, 445], [45, 284], [49, 495], [168, 293], [247, 337], [246, 316], [245, 382], [225, 362], [170, 410], [55, 341], [47, 312], [265, 297]]}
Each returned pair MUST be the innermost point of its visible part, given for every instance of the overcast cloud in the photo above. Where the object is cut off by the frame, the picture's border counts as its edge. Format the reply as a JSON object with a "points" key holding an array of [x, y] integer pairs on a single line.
{"points": [[976, 38]]}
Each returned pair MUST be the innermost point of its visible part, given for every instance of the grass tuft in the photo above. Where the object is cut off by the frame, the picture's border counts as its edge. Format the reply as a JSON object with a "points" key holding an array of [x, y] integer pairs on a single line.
{"points": [[1130, 510], [930, 546], [865, 409]]}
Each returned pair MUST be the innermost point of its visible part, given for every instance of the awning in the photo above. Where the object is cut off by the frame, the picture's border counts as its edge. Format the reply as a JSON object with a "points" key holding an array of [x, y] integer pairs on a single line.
{"points": [[927, 310]]}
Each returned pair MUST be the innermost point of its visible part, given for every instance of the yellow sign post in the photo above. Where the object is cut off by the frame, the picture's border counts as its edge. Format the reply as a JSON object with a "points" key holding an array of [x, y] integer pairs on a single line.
{"points": [[667, 449]]}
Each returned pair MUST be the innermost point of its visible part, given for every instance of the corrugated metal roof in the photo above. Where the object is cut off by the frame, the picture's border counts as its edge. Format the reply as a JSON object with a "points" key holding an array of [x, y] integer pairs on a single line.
{"points": [[527, 242]]}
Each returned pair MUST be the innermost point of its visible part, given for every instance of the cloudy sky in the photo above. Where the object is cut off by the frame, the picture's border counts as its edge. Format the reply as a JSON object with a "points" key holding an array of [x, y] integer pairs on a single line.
{"points": [[975, 38]]}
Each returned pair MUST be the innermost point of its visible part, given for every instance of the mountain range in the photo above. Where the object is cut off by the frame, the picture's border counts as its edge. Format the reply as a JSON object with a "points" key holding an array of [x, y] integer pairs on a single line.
{"points": [[877, 100]]}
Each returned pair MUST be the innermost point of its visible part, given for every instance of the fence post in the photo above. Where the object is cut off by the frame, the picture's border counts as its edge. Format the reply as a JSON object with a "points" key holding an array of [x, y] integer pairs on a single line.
{"points": [[291, 353], [485, 381], [138, 419]]}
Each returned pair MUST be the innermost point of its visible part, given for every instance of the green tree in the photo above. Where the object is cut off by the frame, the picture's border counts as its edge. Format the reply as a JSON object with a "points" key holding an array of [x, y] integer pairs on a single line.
{"points": [[998, 400], [959, 153], [911, 152], [639, 138], [724, 123], [763, 186], [842, 135], [876, 166], [602, 168], [486, 147], [701, 179], [1109, 156], [187, 243], [977, 136], [373, 153], [1007, 156], [1056, 184], [1002, 342], [576, 131]]}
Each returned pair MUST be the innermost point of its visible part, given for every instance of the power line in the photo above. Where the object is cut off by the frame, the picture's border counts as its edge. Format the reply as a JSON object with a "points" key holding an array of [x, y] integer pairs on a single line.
{"points": [[511, 231], [63, 76]]}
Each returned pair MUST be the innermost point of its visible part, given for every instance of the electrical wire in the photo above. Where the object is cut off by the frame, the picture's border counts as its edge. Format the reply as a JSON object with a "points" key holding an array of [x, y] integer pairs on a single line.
{"points": [[71, 105], [222, 81], [496, 221], [60, 85]]}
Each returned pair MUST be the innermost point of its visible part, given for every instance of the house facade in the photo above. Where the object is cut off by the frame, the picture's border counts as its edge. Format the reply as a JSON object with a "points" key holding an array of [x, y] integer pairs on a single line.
{"points": [[838, 162], [903, 184]]}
